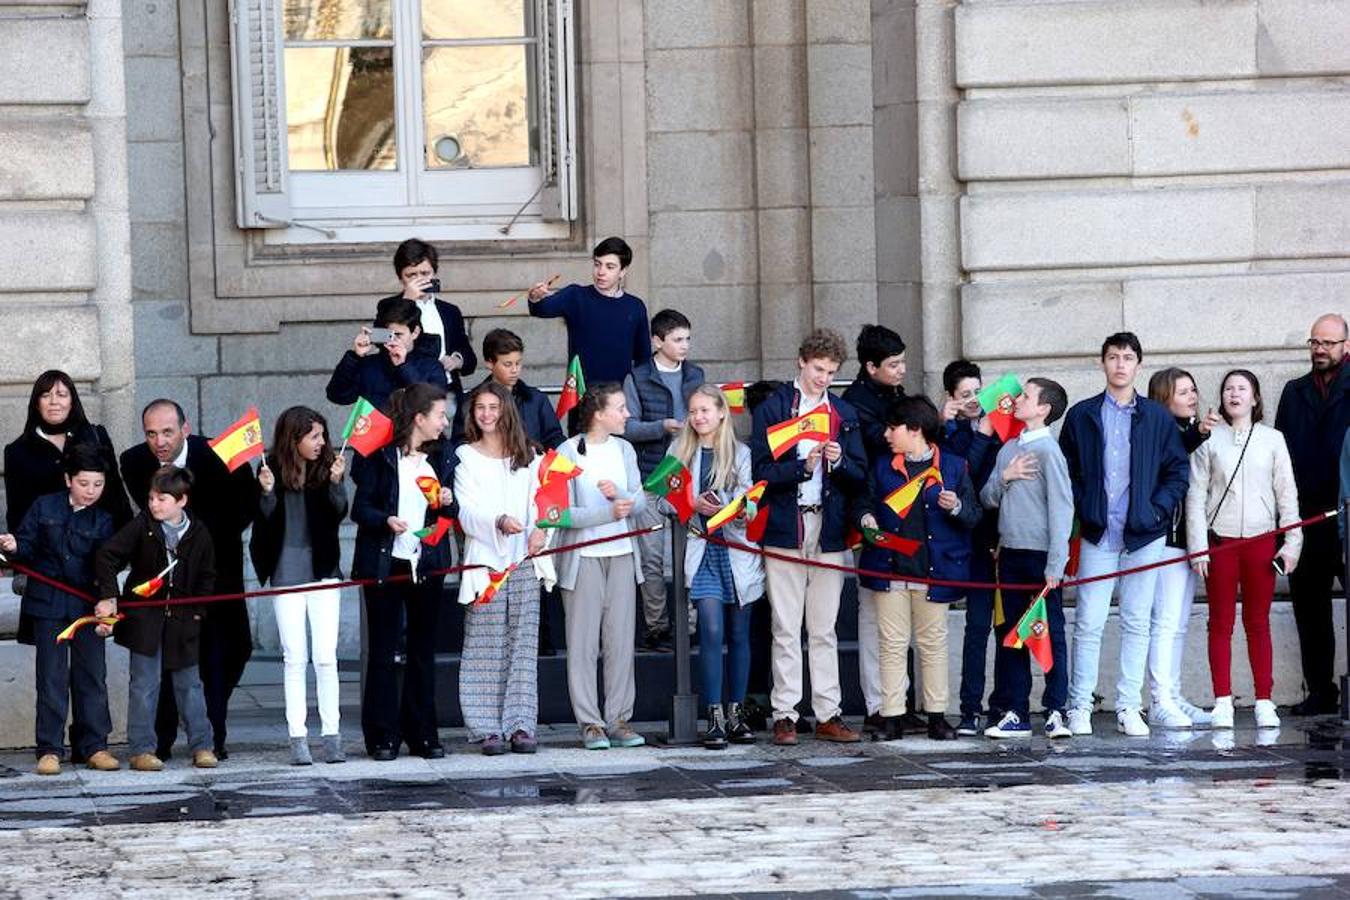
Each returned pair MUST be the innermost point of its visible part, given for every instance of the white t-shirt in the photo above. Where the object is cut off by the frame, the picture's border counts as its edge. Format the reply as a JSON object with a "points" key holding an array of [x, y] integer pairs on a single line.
{"points": [[412, 504], [431, 321], [602, 462]]}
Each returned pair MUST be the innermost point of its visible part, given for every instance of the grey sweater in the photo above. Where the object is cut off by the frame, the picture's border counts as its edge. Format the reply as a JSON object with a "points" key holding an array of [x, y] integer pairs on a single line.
{"points": [[1036, 513]]}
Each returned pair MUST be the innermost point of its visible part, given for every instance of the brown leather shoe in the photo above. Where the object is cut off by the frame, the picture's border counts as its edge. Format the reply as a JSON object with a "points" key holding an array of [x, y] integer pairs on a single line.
{"points": [[204, 759], [785, 732], [48, 764], [836, 731], [146, 762], [102, 761]]}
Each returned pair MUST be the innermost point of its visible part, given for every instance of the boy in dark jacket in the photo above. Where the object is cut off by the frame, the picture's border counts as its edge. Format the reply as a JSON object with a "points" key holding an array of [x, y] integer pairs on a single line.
{"points": [[504, 354], [170, 554], [924, 496], [658, 394], [374, 371], [57, 538]]}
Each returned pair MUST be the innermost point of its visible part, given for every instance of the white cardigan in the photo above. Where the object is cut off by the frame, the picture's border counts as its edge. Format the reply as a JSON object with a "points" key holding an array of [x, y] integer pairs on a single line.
{"points": [[487, 488], [747, 569], [1263, 493]]}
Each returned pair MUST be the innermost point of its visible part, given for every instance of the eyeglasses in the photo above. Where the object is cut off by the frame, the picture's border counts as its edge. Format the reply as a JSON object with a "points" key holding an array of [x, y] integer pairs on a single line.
{"points": [[1315, 344]]}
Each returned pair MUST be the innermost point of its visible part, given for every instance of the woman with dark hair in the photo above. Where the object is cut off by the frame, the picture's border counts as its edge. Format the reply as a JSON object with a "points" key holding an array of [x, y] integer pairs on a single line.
{"points": [[400, 489], [597, 580], [295, 542], [1175, 389], [56, 421], [1242, 485], [495, 480]]}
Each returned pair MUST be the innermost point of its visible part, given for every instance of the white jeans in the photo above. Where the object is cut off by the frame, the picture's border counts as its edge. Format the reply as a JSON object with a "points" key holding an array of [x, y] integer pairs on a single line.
{"points": [[1136, 614], [869, 650], [320, 606], [1171, 614]]}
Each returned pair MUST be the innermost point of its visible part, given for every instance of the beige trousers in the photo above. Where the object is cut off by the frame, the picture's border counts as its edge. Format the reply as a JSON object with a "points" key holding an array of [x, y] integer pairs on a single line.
{"points": [[796, 594], [902, 613]]}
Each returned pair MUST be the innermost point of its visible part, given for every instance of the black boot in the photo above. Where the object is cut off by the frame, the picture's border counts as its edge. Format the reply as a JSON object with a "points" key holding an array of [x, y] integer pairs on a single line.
{"points": [[738, 730], [892, 728], [939, 729], [715, 738]]}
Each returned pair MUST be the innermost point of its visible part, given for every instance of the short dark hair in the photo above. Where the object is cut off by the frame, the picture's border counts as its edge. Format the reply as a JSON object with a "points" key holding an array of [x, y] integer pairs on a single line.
{"points": [[172, 480], [1258, 408], [757, 393], [162, 403], [1053, 395], [916, 411], [413, 251], [877, 343], [823, 343], [83, 458], [1123, 340], [666, 321], [957, 371], [616, 246], [498, 342], [398, 310]]}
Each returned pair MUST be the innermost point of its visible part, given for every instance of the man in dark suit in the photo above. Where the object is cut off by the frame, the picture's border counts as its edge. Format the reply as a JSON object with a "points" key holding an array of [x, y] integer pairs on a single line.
{"points": [[225, 502], [1313, 415]]}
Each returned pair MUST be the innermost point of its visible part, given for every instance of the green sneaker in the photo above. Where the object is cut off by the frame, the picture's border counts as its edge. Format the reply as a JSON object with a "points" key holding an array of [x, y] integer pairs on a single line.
{"points": [[593, 738], [623, 736]]}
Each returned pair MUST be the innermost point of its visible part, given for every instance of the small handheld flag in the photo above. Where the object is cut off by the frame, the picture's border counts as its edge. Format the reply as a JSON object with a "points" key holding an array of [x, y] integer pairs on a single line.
{"points": [[432, 491], [152, 587], [812, 426], [69, 631], [553, 504], [901, 500], [1033, 632], [756, 512], [431, 535], [574, 386], [495, 581], [367, 429], [671, 480], [240, 442], [887, 541], [997, 402], [726, 513], [734, 392], [511, 301], [554, 466]]}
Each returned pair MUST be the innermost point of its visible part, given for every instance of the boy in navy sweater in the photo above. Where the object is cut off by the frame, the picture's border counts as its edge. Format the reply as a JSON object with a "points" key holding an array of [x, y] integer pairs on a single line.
{"points": [[606, 326], [57, 538]]}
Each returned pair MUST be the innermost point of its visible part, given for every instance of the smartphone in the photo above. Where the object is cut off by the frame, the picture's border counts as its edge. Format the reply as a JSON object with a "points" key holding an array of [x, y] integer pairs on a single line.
{"points": [[433, 286], [711, 497], [1278, 565], [380, 335]]}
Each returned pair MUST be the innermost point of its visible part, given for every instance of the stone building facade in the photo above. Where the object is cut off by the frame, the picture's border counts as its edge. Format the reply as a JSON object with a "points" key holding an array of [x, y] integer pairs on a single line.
{"points": [[1008, 181]]}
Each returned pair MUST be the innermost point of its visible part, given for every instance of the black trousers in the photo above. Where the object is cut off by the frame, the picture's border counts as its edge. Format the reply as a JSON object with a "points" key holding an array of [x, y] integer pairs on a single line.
{"points": [[1320, 563], [71, 676], [226, 645], [392, 714]]}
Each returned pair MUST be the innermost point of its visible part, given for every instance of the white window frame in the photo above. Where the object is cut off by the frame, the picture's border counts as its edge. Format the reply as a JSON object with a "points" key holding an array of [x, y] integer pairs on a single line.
{"points": [[294, 207]]}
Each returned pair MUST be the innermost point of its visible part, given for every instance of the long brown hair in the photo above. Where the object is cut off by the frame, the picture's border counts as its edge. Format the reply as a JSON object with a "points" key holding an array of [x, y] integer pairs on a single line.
{"points": [[295, 472], [509, 426], [75, 419], [1163, 384], [406, 404]]}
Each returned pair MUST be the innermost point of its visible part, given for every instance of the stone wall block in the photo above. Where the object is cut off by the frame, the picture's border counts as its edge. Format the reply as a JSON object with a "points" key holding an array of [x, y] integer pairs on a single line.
{"points": [[895, 137], [784, 246], [28, 263], [780, 87], [839, 84], [46, 159], [180, 388], [778, 21], [1303, 220], [893, 74], [53, 337], [158, 260], [843, 244], [699, 90], [725, 319], [898, 239], [1028, 43], [154, 108], [704, 248], [845, 307], [783, 161], [1303, 37], [44, 61], [226, 397], [700, 170], [696, 23], [155, 181], [151, 28], [166, 346], [1104, 228], [839, 22], [785, 317], [841, 166], [1043, 139], [1030, 320]]}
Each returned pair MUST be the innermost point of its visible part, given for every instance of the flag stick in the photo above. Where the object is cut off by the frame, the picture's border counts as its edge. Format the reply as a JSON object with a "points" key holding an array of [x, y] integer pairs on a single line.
{"points": [[510, 301]]}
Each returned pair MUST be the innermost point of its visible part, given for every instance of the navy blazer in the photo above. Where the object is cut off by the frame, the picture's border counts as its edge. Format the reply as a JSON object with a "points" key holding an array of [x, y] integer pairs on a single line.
{"points": [[375, 377], [56, 541], [1160, 471], [376, 478], [842, 482]]}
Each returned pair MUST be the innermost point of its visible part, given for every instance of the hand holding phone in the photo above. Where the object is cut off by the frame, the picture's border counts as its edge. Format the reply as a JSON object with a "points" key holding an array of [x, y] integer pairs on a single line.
{"points": [[380, 335]]}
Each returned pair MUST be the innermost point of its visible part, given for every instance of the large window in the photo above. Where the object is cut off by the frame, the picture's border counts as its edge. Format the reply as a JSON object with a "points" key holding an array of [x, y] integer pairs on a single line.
{"points": [[357, 118]]}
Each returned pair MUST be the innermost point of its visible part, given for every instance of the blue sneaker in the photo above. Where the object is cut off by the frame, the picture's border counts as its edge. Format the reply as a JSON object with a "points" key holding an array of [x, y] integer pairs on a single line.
{"points": [[1010, 726], [1055, 727], [970, 725]]}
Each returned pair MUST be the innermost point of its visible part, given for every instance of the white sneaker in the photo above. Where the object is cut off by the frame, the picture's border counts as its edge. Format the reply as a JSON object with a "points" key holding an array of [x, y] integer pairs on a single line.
{"points": [[1055, 727], [1199, 717], [1166, 715], [1222, 714], [1130, 723], [1010, 726], [1265, 715], [1080, 721]]}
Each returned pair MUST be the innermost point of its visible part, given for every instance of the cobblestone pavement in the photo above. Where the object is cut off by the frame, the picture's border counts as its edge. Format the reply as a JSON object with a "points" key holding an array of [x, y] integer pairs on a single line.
{"points": [[1253, 814]]}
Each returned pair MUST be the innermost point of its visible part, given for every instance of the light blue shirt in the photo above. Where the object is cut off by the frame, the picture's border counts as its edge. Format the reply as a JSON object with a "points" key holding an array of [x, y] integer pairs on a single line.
{"points": [[1116, 420]]}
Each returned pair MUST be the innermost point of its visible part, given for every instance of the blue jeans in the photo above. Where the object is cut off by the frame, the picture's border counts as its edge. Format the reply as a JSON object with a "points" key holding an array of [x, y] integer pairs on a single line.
{"points": [[975, 641], [1012, 668], [143, 698], [73, 671], [711, 612], [1137, 594]]}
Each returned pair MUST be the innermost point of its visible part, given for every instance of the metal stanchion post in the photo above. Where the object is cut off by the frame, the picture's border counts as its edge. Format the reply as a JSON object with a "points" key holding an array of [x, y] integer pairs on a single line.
{"points": [[1345, 589], [684, 705]]}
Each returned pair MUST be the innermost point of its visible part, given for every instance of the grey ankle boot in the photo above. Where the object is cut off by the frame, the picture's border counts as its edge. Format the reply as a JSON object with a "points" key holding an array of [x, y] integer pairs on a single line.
{"points": [[332, 749], [300, 752]]}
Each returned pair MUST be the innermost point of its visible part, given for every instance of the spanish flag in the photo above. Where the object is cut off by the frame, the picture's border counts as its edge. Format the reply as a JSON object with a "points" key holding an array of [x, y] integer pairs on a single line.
{"points": [[240, 442], [495, 581], [726, 513], [901, 500], [431, 489], [554, 466], [152, 587], [69, 631], [816, 425], [734, 392], [756, 512]]}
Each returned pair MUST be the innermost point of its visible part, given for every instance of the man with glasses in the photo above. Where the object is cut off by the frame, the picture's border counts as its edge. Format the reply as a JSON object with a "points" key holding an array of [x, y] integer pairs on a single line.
{"points": [[1313, 415]]}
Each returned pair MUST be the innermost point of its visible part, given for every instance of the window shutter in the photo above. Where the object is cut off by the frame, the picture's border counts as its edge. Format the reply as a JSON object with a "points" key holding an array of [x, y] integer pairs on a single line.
{"points": [[261, 197], [558, 111]]}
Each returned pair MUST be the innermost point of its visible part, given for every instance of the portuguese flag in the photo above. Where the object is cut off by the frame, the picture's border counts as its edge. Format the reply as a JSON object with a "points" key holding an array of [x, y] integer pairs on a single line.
{"points": [[887, 541], [1033, 632], [553, 504], [367, 429], [671, 480], [734, 391], [997, 402], [574, 385], [432, 534], [240, 442], [431, 490]]}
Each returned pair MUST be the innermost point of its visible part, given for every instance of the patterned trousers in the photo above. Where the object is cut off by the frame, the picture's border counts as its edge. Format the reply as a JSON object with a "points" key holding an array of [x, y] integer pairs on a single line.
{"points": [[499, 669]]}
